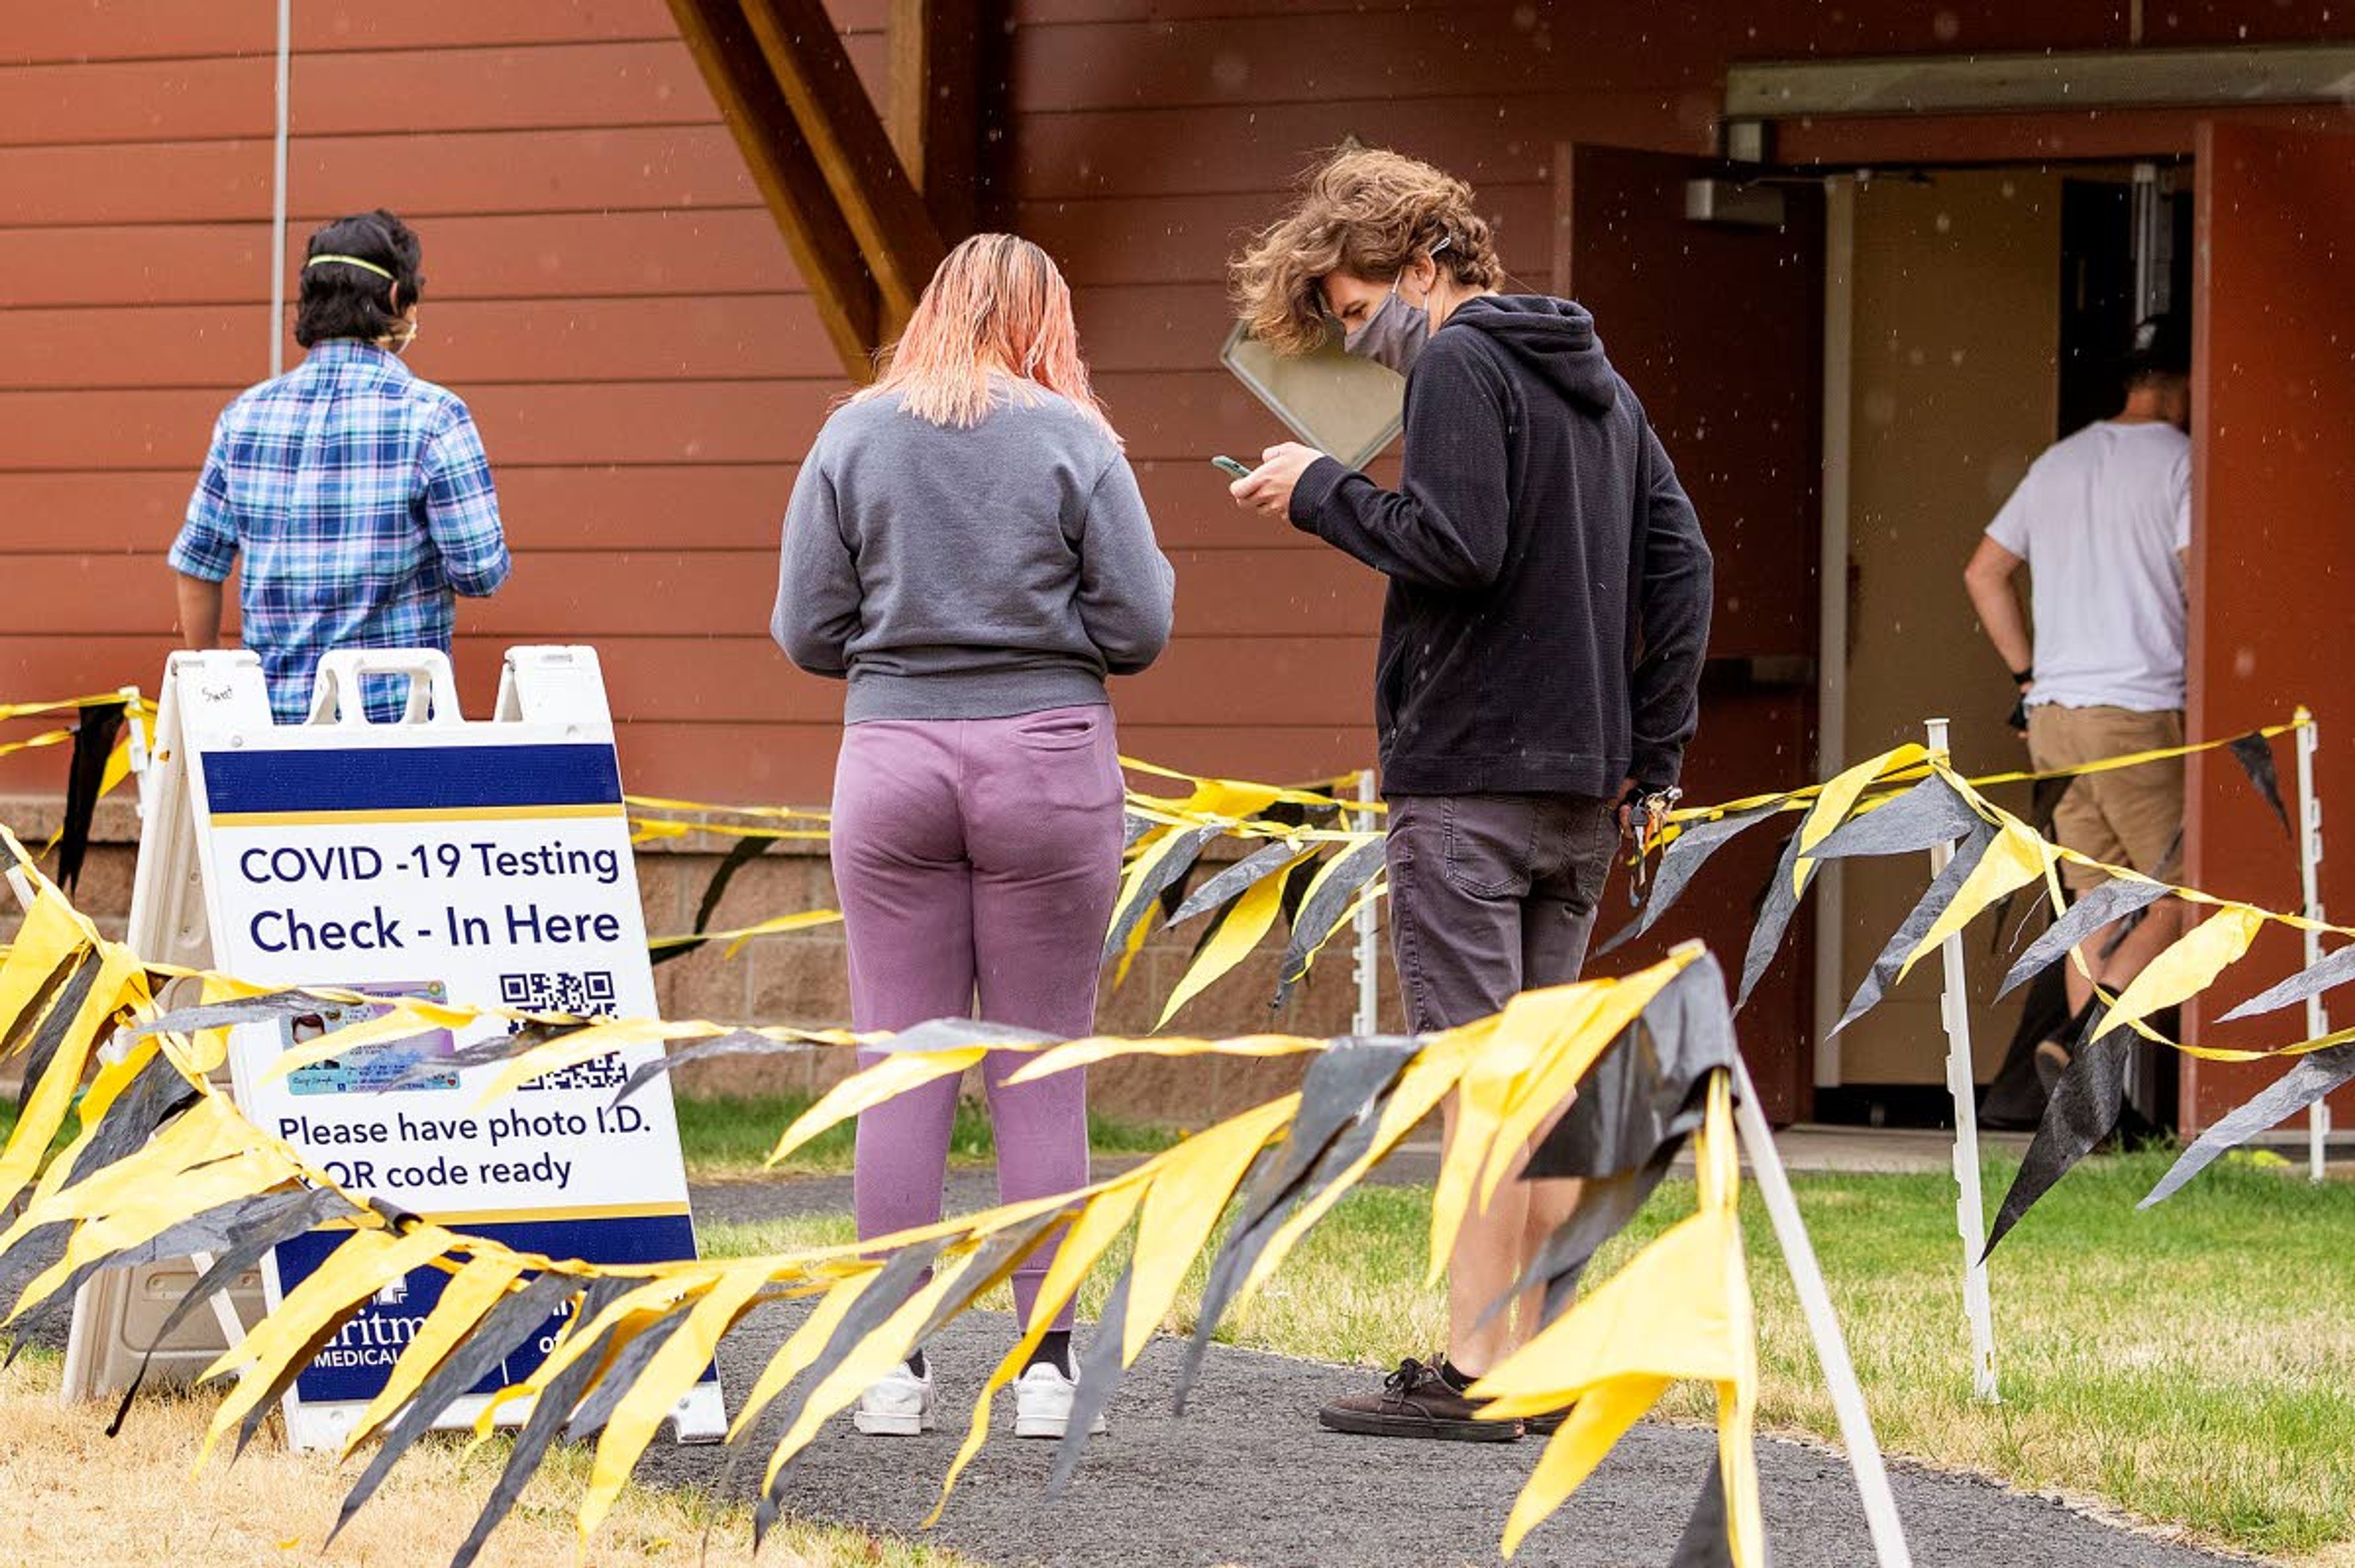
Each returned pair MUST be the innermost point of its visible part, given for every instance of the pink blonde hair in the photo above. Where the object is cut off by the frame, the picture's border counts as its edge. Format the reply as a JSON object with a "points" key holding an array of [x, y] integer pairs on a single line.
{"points": [[997, 304]]}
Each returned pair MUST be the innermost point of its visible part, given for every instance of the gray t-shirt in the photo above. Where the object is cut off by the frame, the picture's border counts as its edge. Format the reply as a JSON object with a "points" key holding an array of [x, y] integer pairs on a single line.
{"points": [[2099, 520], [976, 573]]}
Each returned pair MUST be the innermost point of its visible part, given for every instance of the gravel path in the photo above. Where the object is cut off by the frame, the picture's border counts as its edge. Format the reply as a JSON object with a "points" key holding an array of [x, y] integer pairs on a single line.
{"points": [[1247, 1478], [971, 1188]]}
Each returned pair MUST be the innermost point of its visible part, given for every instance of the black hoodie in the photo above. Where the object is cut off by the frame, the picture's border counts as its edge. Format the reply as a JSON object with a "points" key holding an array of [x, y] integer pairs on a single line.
{"points": [[1550, 588]]}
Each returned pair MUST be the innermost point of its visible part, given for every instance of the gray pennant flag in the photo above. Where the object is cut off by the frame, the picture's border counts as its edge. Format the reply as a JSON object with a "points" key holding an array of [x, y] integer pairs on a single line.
{"points": [[555, 1403], [1174, 865], [1917, 924], [994, 1257], [265, 1008], [1351, 871], [1099, 1375], [2082, 1112], [52, 1034], [497, 1335], [1706, 1541], [2256, 755], [2332, 969], [1642, 1093], [736, 1042], [1774, 913], [2316, 1074], [1341, 1100], [899, 1277], [1605, 1204], [36, 1008], [1233, 881], [2114, 899], [1678, 862], [1928, 813]]}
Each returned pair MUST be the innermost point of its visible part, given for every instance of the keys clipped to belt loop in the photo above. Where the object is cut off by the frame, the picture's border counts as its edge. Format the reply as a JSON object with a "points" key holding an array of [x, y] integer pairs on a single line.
{"points": [[1647, 815]]}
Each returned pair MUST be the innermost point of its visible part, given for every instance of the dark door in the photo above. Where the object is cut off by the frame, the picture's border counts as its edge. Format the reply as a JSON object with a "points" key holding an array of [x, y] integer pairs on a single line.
{"points": [[1718, 326], [2272, 542]]}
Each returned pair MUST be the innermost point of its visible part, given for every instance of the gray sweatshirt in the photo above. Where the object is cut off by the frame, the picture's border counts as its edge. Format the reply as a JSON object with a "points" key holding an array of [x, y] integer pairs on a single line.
{"points": [[973, 574]]}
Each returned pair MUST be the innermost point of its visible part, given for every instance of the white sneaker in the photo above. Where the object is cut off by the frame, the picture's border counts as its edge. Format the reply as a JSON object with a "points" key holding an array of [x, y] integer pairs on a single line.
{"points": [[1042, 1403], [900, 1405]]}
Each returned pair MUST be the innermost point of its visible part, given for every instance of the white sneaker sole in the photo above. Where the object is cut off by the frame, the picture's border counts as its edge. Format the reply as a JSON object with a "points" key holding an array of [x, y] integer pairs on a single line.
{"points": [[889, 1423], [1049, 1426]]}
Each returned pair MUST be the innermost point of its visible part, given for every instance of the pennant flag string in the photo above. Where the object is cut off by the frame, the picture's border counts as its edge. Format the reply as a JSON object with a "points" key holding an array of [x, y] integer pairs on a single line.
{"points": [[142, 1175]]}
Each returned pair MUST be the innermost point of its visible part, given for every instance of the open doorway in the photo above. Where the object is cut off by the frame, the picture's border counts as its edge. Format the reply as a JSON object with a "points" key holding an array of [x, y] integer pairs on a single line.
{"points": [[1986, 308]]}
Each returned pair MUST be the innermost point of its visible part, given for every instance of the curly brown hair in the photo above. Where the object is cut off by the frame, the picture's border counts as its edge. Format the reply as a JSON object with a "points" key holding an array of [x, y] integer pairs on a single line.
{"points": [[1363, 210]]}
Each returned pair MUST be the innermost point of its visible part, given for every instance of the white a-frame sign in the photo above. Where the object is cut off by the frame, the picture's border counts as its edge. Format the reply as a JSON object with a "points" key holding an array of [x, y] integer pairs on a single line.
{"points": [[483, 863]]}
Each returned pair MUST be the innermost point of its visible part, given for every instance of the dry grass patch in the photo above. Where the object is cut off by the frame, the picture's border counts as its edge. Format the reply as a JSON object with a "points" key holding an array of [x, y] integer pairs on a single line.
{"points": [[70, 1494]]}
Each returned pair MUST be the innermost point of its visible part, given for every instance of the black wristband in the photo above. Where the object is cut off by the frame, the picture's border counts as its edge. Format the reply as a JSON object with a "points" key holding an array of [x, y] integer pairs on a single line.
{"points": [[2023, 677]]}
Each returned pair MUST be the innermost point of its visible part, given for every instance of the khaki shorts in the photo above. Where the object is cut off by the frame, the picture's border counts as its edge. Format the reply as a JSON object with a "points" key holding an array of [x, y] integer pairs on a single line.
{"points": [[2132, 816]]}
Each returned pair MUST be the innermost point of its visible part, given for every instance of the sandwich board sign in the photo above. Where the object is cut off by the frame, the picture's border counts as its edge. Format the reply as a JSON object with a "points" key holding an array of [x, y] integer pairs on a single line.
{"points": [[473, 863]]}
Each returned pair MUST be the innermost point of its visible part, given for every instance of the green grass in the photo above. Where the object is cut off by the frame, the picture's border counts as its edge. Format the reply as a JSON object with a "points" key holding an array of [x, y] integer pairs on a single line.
{"points": [[731, 1137], [2192, 1365], [66, 1134]]}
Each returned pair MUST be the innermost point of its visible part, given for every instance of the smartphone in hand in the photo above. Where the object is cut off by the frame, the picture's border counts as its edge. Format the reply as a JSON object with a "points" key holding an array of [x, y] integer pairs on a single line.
{"points": [[1229, 467]]}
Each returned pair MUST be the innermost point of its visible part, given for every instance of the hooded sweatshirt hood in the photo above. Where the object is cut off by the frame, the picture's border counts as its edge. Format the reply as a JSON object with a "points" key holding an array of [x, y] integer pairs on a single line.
{"points": [[1551, 340]]}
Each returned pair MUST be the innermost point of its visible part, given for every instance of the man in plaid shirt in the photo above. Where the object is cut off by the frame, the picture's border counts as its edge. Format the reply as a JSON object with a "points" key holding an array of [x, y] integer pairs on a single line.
{"points": [[356, 492]]}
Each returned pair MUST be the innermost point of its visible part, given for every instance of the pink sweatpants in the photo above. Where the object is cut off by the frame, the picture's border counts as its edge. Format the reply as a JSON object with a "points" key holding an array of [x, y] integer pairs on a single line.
{"points": [[976, 860]]}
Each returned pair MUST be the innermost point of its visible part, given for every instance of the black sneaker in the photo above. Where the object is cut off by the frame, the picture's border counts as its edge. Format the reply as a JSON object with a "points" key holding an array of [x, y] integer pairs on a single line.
{"points": [[1545, 1425], [1415, 1402]]}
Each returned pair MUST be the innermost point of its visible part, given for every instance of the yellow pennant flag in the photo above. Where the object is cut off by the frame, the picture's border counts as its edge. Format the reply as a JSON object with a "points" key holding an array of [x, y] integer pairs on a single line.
{"points": [[1247, 920], [2015, 857], [887, 1080], [1840, 796], [1681, 1309], [352, 1271], [1190, 1190], [670, 1374], [2188, 967], [476, 1289]]}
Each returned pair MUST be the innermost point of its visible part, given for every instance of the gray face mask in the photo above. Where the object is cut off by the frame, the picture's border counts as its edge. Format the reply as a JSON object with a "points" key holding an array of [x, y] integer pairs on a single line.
{"points": [[1395, 332]]}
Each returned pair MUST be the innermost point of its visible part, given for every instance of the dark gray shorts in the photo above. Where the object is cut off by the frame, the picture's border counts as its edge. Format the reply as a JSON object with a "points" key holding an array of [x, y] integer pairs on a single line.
{"points": [[1493, 895]]}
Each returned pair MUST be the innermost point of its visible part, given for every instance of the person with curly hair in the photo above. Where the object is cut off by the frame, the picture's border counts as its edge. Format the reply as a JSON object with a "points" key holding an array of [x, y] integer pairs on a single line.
{"points": [[1542, 645]]}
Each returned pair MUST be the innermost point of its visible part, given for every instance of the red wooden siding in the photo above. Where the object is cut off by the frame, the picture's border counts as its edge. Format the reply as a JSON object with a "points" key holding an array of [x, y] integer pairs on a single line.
{"points": [[608, 294]]}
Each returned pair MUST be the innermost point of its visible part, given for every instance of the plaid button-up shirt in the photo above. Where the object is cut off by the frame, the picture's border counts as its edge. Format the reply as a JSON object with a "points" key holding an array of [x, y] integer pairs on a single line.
{"points": [[360, 500]]}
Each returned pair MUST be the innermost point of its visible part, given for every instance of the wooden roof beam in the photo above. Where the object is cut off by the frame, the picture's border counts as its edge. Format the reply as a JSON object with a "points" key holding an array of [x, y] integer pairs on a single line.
{"points": [[783, 165], [872, 189], [933, 107]]}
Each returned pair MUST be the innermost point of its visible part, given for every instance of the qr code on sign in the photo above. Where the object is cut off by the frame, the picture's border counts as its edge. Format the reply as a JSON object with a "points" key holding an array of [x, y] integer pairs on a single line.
{"points": [[586, 995]]}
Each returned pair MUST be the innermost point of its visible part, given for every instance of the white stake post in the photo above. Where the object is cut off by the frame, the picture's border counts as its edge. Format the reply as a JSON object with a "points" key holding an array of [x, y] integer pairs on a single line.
{"points": [[1369, 931], [2309, 870], [1962, 1082], [1889, 1549]]}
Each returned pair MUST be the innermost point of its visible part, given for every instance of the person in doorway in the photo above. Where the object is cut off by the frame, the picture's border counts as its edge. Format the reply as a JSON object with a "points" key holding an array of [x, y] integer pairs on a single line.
{"points": [[1549, 606], [355, 492], [967, 547], [2103, 522]]}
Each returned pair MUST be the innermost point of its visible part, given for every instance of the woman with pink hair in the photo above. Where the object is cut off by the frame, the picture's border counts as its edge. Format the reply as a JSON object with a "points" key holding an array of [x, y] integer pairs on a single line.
{"points": [[967, 548]]}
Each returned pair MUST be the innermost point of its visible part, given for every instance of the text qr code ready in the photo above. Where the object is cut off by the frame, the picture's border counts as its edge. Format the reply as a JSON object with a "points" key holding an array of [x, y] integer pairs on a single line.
{"points": [[585, 995]]}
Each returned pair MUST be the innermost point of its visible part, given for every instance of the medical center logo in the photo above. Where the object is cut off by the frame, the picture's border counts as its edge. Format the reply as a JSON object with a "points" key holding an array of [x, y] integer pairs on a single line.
{"points": [[377, 1337]]}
